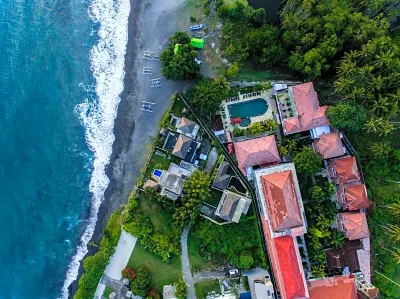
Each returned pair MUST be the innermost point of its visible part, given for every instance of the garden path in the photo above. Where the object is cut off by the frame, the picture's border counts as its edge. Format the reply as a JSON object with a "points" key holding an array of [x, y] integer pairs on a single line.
{"points": [[187, 273]]}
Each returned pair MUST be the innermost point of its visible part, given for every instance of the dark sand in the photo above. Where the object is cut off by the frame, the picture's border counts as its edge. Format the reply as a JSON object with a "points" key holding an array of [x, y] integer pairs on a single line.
{"points": [[151, 22]]}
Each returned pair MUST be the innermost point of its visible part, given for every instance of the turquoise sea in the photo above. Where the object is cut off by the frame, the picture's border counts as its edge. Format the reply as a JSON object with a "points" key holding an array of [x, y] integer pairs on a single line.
{"points": [[61, 73]]}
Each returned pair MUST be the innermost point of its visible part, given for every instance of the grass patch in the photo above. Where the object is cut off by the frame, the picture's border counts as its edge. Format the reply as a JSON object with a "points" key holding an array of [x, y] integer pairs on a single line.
{"points": [[107, 291], [197, 263], [158, 162], [203, 288], [161, 273], [178, 106], [249, 73]]}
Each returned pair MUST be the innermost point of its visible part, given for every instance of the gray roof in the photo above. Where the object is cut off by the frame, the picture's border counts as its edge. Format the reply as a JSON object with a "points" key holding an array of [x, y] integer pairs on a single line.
{"points": [[182, 146], [169, 292], [232, 206], [171, 183], [186, 125], [222, 179]]}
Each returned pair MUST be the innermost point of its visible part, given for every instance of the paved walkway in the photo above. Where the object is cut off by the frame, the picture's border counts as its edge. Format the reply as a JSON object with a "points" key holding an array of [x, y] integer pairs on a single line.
{"points": [[211, 161], [187, 274], [210, 275], [118, 262]]}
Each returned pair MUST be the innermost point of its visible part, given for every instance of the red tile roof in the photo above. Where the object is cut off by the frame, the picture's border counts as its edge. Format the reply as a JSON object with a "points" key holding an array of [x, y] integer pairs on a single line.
{"points": [[333, 288], [256, 151], [289, 268], [292, 125], [355, 195], [281, 199], [310, 114], [356, 226], [329, 145], [346, 170]]}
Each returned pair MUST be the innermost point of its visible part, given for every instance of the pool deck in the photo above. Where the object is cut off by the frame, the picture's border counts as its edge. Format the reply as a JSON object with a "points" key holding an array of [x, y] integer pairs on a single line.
{"points": [[269, 114]]}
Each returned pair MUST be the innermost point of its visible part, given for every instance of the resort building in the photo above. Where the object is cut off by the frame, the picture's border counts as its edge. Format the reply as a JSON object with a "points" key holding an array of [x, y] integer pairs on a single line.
{"points": [[353, 225], [283, 219], [338, 287], [256, 152], [343, 170], [329, 146], [299, 109], [187, 127], [261, 286], [232, 206], [345, 256], [353, 196]]}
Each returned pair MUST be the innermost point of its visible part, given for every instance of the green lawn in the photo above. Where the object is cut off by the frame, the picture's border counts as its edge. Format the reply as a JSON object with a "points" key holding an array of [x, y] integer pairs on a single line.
{"points": [[250, 74], [197, 263], [107, 291], [178, 107], [158, 162], [203, 288], [161, 273]]}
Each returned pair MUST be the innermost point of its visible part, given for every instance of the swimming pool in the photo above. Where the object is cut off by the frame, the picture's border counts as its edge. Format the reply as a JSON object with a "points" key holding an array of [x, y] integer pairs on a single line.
{"points": [[248, 109]]}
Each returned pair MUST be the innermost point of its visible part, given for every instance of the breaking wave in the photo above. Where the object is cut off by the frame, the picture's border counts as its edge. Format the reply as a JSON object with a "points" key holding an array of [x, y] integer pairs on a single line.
{"points": [[97, 114]]}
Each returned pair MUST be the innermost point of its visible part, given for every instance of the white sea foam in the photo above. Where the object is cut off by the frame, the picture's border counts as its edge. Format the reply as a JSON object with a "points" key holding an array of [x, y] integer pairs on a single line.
{"points": [[97, 115]]}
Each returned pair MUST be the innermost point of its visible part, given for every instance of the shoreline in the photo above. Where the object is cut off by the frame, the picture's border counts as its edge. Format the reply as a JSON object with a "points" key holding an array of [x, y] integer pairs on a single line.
{"points": [[133, 128]]}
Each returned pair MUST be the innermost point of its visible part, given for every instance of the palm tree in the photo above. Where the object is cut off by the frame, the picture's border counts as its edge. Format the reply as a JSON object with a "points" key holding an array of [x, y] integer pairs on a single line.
{"points": [[394, 208], [396, 256], [318, 270], [337, 239], [371, 125], [271, 125], [283, 150], [256, 128], [381, 149], [386, 127], [393, 231]]}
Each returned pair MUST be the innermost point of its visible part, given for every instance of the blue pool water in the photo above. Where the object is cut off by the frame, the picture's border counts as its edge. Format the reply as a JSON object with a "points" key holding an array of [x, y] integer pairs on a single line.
{"points": [[59, 87], [248, 109], [157, 172]]}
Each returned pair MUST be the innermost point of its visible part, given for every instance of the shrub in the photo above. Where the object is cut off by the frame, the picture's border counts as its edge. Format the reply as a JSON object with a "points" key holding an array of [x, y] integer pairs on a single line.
{"points": [[192, 19], [140, 285], [129, 273]]}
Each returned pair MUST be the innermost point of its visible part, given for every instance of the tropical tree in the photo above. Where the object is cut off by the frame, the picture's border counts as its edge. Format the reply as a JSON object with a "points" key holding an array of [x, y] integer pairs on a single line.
{"points": [[271, 125], [179, 65], [394, 208], [317, 193], [197, 190], [381, 149], [307, 161], [246, 260], [393, 231], [318, 270], [180, 289], [337, 239], [347, 115], [140, 285], [256, 128]]}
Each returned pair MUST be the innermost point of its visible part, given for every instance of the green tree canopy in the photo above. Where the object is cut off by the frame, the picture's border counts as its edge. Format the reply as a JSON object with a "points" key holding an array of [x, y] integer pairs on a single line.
{"points": [[207, 94], [318, 32], [347, 115], [181, 65], [307, 162], [180, 289], [371, 77], [246, 260], [140, 285]]}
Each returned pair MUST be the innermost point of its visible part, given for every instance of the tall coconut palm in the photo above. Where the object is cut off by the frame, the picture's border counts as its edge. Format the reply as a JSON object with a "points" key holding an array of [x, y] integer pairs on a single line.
{"points": [[381, 149], [256, 128], [394, 208], [393, 231]]}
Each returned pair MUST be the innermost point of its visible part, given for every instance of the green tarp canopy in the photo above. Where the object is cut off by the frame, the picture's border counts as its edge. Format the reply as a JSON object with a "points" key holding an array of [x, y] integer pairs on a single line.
{"points": [[198, 43], [177, 49]]}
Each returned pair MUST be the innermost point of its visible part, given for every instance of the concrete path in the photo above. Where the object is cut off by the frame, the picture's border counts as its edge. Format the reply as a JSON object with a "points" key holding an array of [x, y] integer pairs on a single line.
{"points": [[187, 274], [211, 161], [211, 275], [118, 262]]}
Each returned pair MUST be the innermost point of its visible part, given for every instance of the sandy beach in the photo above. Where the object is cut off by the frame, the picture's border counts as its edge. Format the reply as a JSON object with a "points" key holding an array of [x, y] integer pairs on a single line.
{"points": [[151, 22]]}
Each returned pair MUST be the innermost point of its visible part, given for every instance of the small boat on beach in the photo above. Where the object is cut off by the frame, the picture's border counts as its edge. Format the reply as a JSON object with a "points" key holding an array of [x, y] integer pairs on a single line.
{"points": [[196, 27]]}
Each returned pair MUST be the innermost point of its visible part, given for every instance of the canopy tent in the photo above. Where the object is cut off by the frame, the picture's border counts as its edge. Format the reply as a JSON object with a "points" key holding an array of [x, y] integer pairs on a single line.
{"points": [[177, 49], [198, 43]]}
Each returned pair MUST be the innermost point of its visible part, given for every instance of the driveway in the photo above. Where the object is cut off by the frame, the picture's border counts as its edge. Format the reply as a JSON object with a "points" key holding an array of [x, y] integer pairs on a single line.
{"points": [[187, 273], [211, 161]]}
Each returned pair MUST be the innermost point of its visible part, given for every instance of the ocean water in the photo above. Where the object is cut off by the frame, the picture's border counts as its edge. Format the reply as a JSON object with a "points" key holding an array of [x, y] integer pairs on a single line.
{"points": [[61, 73]]}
